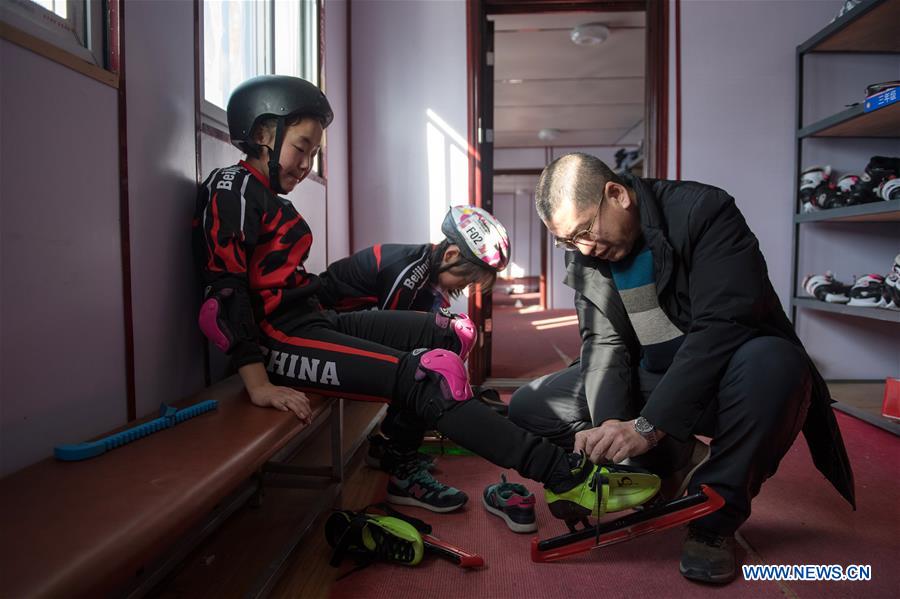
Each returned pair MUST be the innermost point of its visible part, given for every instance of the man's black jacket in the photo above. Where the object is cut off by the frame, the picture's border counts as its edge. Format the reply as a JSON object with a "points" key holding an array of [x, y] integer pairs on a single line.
{"points": [[713, 284]]}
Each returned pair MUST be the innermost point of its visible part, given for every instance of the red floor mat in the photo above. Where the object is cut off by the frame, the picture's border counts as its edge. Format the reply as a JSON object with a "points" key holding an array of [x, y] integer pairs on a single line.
{"points": [[532, 344], [797, 519]]}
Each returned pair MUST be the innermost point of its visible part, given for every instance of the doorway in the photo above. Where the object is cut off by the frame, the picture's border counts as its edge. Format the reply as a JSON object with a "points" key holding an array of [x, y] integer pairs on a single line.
{"points": [[548, 78]]}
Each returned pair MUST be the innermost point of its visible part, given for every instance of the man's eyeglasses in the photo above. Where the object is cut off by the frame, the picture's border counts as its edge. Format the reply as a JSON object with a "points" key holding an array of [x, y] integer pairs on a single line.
{"points": [[585, 237]]}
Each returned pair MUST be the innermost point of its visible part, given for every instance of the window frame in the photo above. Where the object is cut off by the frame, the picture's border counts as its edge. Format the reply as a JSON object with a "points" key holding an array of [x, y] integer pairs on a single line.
{"points": [[79, 41]]}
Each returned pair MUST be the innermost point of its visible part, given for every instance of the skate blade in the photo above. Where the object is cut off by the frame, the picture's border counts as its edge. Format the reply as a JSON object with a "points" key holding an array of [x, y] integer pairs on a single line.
{"points": [[460, 557], [635, 524]]}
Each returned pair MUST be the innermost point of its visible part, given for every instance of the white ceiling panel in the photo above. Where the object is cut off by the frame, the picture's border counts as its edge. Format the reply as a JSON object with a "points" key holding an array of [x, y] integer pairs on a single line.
{"points": [[567, 20], [551, 54], [571, 91], [579, 137], [613, 116]]}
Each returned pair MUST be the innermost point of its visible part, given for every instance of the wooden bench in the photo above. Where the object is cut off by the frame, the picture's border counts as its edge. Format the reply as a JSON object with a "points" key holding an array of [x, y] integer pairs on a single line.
{"points": [[118, 523]]}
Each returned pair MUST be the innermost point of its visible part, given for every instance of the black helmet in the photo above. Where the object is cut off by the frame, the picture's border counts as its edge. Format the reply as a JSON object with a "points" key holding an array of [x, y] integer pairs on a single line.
{"points": [[273, 96]]}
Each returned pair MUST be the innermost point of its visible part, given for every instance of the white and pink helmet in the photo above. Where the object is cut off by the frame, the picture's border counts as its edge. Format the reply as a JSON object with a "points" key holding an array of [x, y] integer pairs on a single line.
{"points": [[480, 236]]}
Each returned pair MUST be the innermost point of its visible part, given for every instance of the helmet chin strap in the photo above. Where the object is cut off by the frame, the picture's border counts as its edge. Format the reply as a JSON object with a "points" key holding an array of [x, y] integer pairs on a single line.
{"points": [[274, 155]]}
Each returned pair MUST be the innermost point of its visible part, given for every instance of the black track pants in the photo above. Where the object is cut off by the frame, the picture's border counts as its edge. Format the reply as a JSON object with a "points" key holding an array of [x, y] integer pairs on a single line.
{"points": [[374, 356], [758, 412]]}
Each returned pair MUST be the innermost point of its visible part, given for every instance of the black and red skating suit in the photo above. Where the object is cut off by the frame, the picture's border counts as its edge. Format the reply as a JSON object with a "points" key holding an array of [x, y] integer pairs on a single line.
{"points": [[249, 238], [387, 276]]}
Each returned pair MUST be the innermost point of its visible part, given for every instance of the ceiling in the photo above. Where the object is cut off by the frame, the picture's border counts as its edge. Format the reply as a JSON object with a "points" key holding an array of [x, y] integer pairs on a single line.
{"points": [[593, 95]]}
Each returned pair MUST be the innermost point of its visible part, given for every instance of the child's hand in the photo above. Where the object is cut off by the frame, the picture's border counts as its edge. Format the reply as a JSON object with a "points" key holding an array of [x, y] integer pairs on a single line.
{"points": [[284, 399]]}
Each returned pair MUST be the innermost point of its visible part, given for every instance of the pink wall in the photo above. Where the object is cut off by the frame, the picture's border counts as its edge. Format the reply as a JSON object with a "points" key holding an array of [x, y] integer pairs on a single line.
{"points": [[737, 102], [336, 144], [62, 373], [162, 175], [407, 58], [738, 130]]}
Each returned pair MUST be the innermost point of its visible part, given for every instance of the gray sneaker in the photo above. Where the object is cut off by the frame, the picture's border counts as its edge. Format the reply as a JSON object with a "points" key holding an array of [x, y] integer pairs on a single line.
{"points": [[708, 557], [412, 485]]}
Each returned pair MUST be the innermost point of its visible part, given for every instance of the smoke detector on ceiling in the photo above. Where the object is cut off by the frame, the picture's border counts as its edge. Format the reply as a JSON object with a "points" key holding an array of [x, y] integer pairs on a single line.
{"points": [[548, 134], [589, 34]]}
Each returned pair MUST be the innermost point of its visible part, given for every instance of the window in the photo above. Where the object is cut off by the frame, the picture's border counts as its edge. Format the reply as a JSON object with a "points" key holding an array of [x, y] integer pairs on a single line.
{"points": [[75, 26], [245, 38], [55, 6]]}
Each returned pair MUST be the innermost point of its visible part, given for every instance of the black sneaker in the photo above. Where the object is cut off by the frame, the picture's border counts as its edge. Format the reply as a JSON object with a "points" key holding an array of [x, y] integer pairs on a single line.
{"points": [[410, 485], [708, 557], [383, 456], [512, 502]]}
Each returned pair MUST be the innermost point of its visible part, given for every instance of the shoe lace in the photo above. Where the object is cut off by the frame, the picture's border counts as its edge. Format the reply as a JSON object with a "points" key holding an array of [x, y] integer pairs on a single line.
{"points": [[707, 537], [424, 478], [595, 484]]}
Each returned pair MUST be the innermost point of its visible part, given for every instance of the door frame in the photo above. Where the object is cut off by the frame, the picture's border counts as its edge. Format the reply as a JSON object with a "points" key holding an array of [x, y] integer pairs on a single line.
{"points": [[656, 115]]}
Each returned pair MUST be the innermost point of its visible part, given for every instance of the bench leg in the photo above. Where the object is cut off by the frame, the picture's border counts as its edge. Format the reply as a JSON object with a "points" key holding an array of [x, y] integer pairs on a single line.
{"points": [[329, 478], [337, 446]]}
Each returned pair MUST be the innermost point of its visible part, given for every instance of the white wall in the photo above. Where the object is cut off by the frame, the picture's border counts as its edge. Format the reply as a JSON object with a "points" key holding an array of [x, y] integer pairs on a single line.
{"points": [[407, 58], [522, 224], [505, 211], [537, 232], [62, 370], [516, 212]]}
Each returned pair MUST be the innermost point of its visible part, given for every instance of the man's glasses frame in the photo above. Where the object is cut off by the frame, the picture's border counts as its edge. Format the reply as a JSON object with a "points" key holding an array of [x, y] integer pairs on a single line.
{"points": [[585, 237]]}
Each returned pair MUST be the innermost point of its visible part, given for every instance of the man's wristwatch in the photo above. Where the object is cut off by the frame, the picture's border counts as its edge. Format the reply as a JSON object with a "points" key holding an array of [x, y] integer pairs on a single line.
{"points": [[643, 427]]}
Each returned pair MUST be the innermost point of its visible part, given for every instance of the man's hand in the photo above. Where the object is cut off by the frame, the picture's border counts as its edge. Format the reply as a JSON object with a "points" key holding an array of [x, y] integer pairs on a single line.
{"points": [[282, 398], [612, 441]]}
